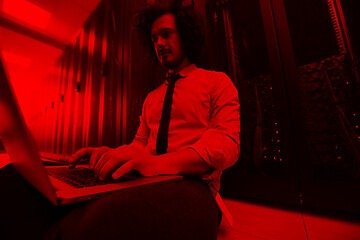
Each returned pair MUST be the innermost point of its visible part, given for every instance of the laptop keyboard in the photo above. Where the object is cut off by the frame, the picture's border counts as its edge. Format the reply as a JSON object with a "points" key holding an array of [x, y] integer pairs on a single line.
{"points": [[81, 177]]}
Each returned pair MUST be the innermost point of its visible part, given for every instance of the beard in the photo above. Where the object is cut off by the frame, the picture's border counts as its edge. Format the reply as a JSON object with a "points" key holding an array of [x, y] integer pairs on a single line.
{"points": [[172, 63]]}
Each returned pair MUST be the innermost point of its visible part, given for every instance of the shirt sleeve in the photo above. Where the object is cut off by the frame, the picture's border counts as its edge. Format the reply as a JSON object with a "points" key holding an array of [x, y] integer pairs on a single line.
{"points": [[219, 145]]}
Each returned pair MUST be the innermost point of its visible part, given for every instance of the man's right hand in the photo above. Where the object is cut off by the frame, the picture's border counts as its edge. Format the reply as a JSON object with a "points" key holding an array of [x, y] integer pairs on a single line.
{"points": [[92, 154]]}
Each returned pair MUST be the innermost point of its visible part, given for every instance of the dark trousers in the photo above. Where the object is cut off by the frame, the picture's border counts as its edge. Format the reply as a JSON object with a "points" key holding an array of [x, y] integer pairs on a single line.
{"points": [[168, 210]]}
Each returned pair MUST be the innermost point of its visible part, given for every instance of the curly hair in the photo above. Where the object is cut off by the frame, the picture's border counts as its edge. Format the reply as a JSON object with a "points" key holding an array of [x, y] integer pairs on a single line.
{"points": [[188, 22]]}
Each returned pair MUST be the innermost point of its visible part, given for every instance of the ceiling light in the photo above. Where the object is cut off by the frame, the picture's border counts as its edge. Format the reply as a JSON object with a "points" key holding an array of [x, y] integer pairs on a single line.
{"points": [[27, 12]]}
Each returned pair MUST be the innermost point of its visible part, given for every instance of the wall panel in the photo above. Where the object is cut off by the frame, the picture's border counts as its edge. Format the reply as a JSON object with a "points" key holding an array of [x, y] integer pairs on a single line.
{"points": [[75, 112], [84, 103], [68, 100]]}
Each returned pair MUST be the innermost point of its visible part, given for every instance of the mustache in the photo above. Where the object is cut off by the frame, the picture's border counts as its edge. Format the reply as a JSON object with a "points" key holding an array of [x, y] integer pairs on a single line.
{"points": [[163, 51]]}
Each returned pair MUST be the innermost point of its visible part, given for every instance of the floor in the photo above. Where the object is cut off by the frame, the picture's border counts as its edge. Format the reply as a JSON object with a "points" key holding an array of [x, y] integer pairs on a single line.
{"points": [[255, 222]]}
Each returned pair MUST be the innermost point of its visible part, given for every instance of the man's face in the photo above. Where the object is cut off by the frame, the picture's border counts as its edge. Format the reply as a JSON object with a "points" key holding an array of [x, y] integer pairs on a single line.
{"points": [[166, 39]]}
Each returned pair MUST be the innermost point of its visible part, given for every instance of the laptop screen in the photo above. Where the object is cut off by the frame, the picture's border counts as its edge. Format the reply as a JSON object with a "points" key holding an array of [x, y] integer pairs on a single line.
{"points": [[18, 141]]}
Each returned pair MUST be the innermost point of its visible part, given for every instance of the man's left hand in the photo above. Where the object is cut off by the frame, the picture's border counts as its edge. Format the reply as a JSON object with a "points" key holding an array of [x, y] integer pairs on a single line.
{"points": [[145, 164]]}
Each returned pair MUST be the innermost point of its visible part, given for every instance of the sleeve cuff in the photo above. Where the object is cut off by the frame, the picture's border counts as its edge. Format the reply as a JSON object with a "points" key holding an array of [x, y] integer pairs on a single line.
{"points": [[202, 153]]}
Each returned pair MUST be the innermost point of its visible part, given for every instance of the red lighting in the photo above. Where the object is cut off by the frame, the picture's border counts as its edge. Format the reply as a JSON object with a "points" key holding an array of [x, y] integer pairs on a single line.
{"points": [[16, 59], [27, 12]]}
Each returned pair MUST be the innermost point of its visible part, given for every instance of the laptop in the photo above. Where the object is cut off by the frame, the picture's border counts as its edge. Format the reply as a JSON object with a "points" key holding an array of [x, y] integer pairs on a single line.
{"points": [[23, 153]]}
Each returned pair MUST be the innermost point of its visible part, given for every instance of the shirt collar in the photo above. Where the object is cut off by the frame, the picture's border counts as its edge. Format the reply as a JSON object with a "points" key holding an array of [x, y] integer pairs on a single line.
{"points": [[186, 70]]}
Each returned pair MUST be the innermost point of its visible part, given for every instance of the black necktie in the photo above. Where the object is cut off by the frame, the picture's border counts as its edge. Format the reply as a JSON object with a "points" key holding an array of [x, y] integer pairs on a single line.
{"points": [[162, 137]]}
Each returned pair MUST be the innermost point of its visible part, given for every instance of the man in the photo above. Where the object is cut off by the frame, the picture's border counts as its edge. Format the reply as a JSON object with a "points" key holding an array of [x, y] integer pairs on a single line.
{"points": [[200, 141], [202, 137], [205, 112]]}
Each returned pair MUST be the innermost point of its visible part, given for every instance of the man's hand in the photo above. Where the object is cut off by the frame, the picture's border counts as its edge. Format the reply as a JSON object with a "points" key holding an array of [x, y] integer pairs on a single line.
{"points": [[91, 154], [146, 164], [105, 160], [112, 160], [182, 162]]}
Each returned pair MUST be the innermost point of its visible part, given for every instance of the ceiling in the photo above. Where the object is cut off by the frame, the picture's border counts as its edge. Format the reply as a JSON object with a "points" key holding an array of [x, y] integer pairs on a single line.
{"points": [[33, 34]]}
